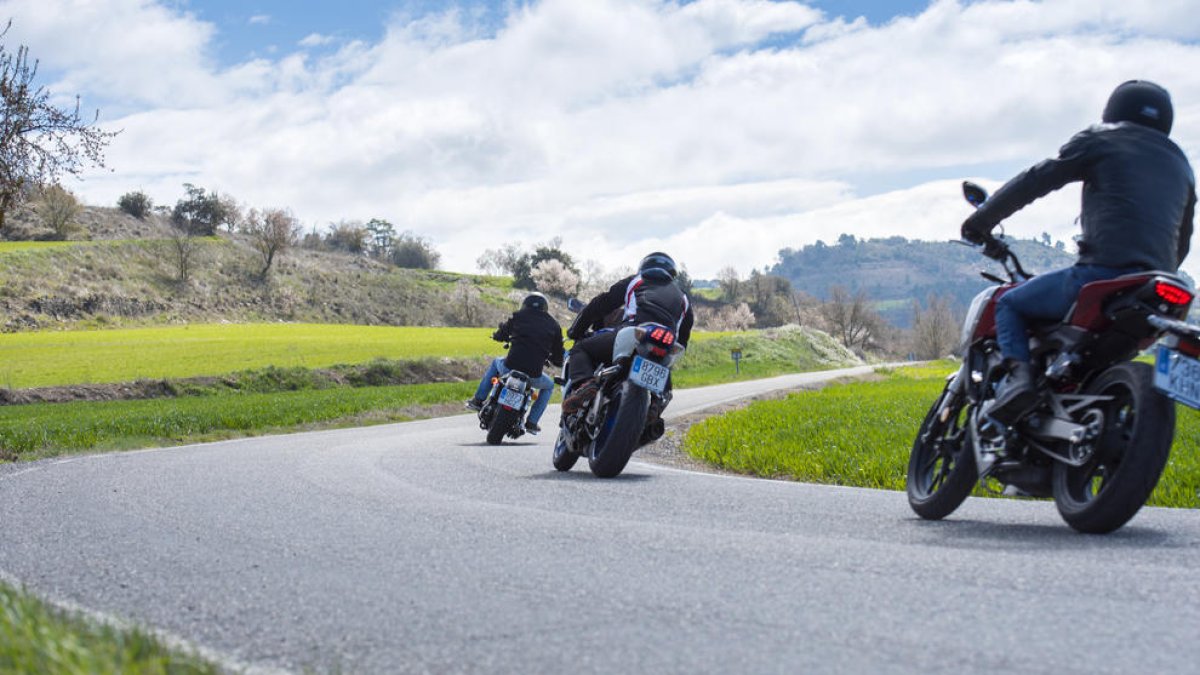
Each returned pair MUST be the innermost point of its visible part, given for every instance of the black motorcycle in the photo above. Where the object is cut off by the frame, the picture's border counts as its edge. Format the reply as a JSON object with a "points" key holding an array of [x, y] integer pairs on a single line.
{"points": [[626, 412], [504, 409], [1101, 432]]}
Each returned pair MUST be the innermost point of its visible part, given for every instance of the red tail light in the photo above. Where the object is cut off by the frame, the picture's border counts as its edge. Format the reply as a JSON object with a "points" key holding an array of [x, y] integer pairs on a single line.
{"points": [[1173, 294], [662, 336]]}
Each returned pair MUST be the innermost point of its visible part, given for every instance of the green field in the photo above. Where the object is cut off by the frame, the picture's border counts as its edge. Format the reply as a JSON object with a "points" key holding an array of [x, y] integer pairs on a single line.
{"points": [[40, 430], [34, 638], [26, 246], [52, 358], [76, 357], [860, 434]]}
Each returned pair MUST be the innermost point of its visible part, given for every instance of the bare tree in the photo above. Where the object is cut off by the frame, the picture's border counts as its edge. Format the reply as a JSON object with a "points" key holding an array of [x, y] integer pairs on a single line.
{"points": [[935, 329], [466, 302], [727, 277], [271, 231], [850, 318], [39, 142], [184, 248], [58, 209]]}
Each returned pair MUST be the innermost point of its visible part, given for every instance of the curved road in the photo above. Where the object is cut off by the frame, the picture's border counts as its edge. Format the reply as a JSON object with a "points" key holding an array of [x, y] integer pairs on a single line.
{"points": [[417, 548]]}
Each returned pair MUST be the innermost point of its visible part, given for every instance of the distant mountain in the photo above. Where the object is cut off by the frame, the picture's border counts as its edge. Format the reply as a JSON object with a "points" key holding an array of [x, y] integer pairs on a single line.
{"points": [[895, 271]]}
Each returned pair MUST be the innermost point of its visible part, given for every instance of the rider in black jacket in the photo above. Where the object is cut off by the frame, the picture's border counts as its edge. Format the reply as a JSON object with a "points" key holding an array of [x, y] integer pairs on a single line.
{"points": [[651, 295], [535, 337], [1138, 202]]}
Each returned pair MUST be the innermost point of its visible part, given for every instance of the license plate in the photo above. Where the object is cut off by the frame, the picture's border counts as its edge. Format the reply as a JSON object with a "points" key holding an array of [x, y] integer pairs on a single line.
{"points": [[1178, 376], [511, 399], [649, 375]]}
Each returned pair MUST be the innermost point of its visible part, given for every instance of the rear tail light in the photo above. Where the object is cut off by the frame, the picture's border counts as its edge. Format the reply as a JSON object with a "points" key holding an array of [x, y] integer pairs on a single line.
{"points": [[1173, 294], [1189, 348]]}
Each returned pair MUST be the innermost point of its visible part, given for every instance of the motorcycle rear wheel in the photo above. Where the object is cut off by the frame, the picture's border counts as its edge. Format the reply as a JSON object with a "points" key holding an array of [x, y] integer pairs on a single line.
{"points": [[1139, 425], [941, 468], [502, 422], [611, 453]]}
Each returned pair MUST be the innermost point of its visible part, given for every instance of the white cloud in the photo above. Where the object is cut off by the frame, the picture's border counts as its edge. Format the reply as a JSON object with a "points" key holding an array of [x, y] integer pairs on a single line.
{"points": [[259, 20], [316, 40], [720, 129]]}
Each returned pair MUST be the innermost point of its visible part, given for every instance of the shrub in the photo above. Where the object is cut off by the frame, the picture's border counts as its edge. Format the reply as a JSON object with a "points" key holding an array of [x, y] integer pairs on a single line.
{"points": [[58, 210], [136, 204], [413, 252]]}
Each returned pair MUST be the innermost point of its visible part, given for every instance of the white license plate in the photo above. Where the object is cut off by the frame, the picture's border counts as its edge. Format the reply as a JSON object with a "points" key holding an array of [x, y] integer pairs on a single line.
{"points": [[1178, 376], [649, 375], [511, 399]]}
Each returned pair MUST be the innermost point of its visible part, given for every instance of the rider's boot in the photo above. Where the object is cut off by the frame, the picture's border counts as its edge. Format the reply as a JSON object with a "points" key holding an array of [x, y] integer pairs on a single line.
{"points": [[1016, 397], [581, 394]]}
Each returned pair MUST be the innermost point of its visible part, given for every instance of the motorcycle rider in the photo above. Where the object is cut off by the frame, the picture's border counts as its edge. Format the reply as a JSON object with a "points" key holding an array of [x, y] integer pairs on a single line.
{"points": [[1138, 201], [535, 337], [651, 295]]}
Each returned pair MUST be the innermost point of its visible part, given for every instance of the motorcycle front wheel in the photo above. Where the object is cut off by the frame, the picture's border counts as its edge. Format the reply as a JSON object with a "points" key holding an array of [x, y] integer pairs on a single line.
{"points": [[1139, 425], [564, 458], [941, 468], [623, 428]]}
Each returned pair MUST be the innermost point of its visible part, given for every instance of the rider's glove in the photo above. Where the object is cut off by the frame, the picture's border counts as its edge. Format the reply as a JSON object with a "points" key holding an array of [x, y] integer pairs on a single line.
{"points": [[972, 233]]}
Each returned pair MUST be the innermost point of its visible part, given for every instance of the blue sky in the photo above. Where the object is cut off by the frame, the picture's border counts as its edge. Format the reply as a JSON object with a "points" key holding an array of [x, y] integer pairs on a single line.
{"points": [[267, 28], [719, 130]]}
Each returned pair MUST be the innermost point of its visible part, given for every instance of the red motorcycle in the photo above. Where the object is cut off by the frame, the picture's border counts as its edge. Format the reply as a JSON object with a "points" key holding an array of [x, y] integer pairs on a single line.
{"points": [[1100, 435]]}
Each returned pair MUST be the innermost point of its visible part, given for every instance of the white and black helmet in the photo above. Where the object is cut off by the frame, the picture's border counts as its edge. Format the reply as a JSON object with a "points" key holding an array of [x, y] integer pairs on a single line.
{"points": [[536, 301], [657, 264]]}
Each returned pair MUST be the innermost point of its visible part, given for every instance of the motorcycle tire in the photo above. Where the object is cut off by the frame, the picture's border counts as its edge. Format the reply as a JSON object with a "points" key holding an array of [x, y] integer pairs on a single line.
{"points": [[941, 467], [564, 458], [611, 451], [1139, 426], [502, 422]]}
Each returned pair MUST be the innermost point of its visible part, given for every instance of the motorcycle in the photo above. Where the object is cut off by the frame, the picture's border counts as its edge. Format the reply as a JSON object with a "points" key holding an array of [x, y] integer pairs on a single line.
{"points": [[1100, 435], [503, 411], [626, 412]]}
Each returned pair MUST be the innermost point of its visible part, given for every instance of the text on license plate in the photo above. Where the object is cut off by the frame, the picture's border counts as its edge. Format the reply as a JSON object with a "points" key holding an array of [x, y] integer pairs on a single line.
{"points": [[511, 399], [649, 375], [1177, 376]]}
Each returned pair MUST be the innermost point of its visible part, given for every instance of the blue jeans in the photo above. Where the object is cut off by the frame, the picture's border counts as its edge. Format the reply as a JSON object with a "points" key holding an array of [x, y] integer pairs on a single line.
{"points": [[544, 385], [1043, 298]]}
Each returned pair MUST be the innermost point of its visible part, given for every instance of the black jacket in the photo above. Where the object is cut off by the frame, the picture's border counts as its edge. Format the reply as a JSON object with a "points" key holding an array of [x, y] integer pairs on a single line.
{"points": [[642, 299], [535, 337], [1138, 196]]}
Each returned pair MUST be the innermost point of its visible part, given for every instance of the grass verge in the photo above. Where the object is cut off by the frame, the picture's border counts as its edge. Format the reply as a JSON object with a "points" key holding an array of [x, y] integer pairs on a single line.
{"points": [[860, 434], [35, 638], [42, 430]]}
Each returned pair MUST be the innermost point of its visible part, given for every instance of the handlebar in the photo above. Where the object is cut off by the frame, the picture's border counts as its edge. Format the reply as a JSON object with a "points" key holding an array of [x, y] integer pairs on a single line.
{"points": [[998, 249]]}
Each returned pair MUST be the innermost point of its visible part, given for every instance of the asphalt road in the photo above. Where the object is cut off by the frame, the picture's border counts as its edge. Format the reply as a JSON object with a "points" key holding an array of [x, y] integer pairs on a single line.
{"points": [[418, 548]]}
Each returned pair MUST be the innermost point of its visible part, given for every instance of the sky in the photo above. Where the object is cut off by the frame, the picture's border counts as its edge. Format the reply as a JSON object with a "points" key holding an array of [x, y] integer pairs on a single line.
{"points": [[720, 131]]}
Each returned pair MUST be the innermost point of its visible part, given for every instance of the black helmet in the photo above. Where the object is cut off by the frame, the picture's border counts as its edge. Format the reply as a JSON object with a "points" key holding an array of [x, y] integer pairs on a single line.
{"points": [[1142, 102], [656, 264], [535, 301]]}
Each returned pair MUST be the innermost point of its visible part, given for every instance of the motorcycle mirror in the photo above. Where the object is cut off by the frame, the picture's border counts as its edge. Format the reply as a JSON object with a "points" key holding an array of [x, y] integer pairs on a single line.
{"points": [[575, 305], [974, 194]]}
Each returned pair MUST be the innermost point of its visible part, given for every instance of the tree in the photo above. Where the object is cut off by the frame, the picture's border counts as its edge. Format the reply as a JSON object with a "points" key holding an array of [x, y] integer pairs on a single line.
{"points": [[935, 328], [348, 236], [39, 142], [727, 278], [413, 252], [850, 318], [272, 232], [201, 213], [466, 302], [381, 238], [500, 260], [184, 249], [554, 278], [136, 204], [58, 210]]}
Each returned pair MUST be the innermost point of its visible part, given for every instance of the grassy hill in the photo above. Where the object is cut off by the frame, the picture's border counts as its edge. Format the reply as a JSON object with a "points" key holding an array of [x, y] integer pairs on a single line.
{"points": [[128, 279], [896, 271]]}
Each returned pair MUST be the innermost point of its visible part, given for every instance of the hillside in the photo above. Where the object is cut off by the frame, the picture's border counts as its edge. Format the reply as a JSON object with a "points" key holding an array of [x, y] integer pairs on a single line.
{"points": [[896, 271], [125, 276]]}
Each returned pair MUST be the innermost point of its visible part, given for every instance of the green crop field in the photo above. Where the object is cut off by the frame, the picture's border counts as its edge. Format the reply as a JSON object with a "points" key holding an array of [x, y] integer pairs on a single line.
{"points": [[52, 358], [40, 430], [860, 434], [75, 357]]}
